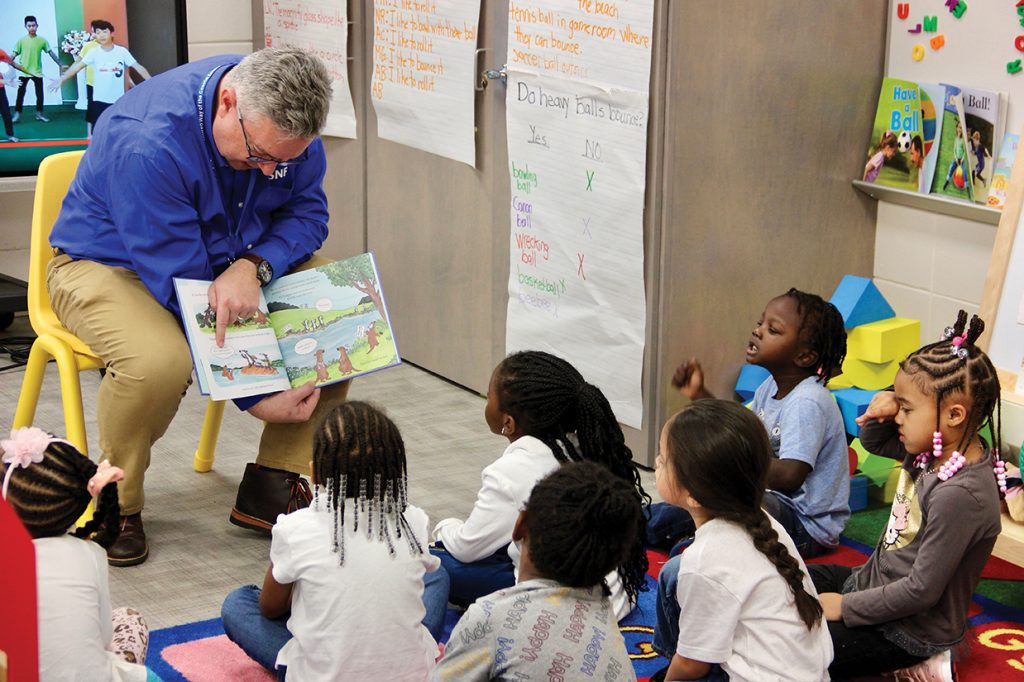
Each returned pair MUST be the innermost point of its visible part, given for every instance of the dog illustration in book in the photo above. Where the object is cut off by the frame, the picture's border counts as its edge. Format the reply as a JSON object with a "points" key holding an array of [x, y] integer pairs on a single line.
{"points": [[371, 336], [320, 366], [344, 362]]}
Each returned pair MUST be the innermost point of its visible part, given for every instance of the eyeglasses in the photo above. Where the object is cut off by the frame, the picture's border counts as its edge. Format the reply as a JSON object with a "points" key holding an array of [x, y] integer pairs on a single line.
{"points": [[252, 158]]}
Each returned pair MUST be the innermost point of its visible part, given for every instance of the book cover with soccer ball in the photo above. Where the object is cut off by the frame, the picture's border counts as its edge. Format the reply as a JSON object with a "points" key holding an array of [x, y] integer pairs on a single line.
{"points": [[904, 136]]}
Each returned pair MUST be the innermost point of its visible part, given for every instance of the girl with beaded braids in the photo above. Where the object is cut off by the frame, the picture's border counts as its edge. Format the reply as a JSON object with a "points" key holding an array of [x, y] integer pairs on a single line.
{"points": [[350, 574], [50, 484], [550, 415], [801, 341], [907, 606], [739, 600]]}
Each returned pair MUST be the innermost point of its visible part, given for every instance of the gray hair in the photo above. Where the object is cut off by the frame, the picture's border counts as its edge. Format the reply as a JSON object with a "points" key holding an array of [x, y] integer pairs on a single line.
{"points": [[289, 86]]}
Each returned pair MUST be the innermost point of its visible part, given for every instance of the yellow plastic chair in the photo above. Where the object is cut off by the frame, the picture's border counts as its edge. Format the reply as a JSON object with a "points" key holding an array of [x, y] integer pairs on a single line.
{"points": [[54, 341]]}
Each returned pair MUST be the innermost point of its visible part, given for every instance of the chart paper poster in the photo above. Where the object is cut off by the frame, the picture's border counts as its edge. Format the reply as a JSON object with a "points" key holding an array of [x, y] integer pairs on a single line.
{"points": [[424, 62], [319, 27], [577, 109]]}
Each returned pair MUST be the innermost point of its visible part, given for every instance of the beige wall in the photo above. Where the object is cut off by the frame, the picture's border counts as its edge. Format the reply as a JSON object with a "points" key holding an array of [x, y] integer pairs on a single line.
{"points": [[220, 27]]}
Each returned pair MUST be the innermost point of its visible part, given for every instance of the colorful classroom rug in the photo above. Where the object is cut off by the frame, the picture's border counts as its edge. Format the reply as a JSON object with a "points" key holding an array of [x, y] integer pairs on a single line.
{"points": [[994, 651]]}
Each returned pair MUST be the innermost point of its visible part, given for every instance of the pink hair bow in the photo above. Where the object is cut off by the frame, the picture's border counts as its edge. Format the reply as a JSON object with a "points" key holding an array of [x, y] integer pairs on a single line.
{"points": [[25, 446], [104, 474]]}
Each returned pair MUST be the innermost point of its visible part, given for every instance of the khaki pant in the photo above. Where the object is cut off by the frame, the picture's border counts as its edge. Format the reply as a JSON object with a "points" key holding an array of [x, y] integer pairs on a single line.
{"points": [[148, 370]]}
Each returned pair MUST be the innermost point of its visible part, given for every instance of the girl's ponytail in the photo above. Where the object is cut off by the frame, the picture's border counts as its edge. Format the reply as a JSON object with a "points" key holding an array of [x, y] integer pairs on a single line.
{"points": [[766, 541]]}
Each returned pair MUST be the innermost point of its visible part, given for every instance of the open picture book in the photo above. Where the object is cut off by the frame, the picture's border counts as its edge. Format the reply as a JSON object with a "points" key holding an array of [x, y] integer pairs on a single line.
{"points": [[325, 324]]}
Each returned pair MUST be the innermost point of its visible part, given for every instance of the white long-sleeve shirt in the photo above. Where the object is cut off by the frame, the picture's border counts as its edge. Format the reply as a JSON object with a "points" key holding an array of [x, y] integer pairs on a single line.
{"points": [[507, 484]]}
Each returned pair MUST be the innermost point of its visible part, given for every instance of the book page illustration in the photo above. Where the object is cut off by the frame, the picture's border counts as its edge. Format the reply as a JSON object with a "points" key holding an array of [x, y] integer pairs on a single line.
{"points": [[331, 322], [250, 361]]}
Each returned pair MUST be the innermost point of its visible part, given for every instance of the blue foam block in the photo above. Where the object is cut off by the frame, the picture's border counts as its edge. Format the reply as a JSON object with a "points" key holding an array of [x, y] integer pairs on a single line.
{"points": [[860, 302], [852, 404], [858, 492], [751, 376]]}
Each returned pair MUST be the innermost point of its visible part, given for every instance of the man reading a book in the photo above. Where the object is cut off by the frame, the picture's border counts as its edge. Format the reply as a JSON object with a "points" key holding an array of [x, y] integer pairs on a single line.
{"points": [[210, 171]]}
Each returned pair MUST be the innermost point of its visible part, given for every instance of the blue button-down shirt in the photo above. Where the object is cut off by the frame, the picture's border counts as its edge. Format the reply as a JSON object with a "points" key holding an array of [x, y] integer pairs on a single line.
{"points": [[153, 194]]}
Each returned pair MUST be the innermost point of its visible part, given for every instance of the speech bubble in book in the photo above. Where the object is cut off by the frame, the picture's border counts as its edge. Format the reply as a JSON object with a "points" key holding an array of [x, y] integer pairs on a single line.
{"points": [[222, 353], [323, 305], [305, 346]]}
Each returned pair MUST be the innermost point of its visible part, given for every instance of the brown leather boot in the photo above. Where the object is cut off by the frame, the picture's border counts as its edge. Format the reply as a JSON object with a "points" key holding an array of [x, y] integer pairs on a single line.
{"points": [[130, 548], [264, 493]]}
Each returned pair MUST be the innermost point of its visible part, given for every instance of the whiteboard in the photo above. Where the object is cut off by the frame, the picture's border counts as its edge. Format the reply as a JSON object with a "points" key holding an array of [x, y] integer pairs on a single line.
{"points": [[977, 48]]}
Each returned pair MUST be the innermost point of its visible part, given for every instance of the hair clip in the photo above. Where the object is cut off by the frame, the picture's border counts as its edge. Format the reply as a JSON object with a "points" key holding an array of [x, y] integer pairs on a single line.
{"points": [[947, 333], [25, 446], [957, 348]]}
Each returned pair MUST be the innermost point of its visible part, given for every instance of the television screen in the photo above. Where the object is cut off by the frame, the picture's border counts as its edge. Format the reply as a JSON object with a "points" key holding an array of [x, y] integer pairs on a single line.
{"points": [[41, 39]]}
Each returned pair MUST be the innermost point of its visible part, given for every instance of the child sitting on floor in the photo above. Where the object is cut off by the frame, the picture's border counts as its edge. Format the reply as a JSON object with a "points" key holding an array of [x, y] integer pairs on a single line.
{"points": [[50, 484], [738, 603], [557, 622], [550, 415], [907, 606], [801, 341], [348, 572]]}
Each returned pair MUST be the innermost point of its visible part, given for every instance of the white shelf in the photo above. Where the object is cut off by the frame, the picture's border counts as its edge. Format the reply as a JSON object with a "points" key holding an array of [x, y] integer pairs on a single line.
{"points": [[931, 202]]}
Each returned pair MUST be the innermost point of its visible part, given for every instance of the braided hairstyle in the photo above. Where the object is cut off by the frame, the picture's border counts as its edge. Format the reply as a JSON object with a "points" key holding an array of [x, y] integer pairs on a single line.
{"points": [[359, 455], [821, 325], [966, 374], [719, 452], [582, 521], [49, 496], [551, 401]]}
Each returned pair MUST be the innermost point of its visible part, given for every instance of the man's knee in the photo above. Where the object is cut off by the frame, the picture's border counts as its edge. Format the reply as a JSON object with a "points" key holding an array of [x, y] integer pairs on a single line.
{"points": [[162, 367]]}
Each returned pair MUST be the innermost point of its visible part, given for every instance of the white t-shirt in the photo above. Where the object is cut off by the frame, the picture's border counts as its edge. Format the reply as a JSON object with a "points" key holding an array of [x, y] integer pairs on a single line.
{"points": [[346, 619], [507, 484], [74, 614], [738, 611], [108, 67]]}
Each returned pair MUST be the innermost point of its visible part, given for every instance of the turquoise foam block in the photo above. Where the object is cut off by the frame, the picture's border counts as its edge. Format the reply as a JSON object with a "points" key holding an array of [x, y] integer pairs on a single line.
{"points": [[860, 302], [751, 376], [852, 404]]}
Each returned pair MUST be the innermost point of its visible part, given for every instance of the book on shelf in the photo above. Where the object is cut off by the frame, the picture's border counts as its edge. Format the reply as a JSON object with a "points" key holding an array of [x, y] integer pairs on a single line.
{"points": [[325, 324], [984, 119], [1000, 183], [973, 127], [903, 149]]}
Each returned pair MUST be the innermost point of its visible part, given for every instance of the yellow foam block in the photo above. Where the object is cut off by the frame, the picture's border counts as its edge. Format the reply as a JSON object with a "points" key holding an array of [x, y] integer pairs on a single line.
{"points": [[839, 381], [884, 340], [862, 454], [872, 376]]}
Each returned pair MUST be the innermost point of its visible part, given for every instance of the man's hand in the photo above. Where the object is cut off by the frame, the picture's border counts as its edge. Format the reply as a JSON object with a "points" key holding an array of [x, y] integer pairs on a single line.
{"points": [[291, 406], [831, 605], [234, 295], [883, 407]]}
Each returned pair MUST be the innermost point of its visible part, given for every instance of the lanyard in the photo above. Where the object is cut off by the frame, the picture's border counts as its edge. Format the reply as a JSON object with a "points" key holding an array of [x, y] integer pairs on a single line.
{"points": [[234, 229]]}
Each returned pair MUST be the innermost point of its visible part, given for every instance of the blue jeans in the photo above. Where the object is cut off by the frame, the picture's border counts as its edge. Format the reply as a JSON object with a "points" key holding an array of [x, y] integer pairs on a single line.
{"points": [[669, 523], [470, 581], [261, 638]]}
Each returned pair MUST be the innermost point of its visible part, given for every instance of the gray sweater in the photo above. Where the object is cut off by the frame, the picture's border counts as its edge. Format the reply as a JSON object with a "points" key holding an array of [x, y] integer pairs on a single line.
{"points": [[917, 588]]}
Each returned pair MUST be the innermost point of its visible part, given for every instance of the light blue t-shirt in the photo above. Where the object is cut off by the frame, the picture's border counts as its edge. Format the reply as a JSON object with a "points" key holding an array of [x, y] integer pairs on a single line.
{"points": [[807, 426]]}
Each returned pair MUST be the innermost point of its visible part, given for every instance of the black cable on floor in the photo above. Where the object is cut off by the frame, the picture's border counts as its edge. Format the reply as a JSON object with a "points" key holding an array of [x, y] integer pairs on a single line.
{"points": [[18, 348]]}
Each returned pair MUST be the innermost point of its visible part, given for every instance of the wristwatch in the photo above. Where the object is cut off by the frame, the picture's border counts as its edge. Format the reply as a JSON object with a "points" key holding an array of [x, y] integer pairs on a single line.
{"points": [[264, 272]]}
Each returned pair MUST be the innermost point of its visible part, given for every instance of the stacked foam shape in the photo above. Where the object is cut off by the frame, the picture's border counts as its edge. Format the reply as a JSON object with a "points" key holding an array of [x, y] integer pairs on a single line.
{"points": [[877, 341]]}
